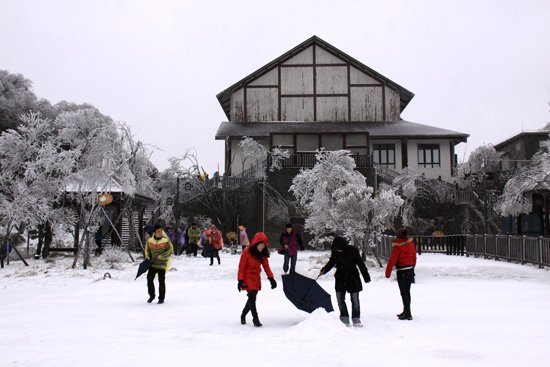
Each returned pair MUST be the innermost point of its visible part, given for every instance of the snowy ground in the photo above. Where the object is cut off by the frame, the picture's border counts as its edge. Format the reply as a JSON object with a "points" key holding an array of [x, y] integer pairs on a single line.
{"points": [[467, 311]]}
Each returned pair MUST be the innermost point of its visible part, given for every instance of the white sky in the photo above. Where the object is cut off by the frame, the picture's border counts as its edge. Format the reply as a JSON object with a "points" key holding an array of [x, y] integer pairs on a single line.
{"points": [[480, 67]]}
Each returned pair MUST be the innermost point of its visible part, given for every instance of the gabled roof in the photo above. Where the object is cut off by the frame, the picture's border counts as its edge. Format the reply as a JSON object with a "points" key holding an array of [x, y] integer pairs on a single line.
{"points": [[381, 129], [224, 97]]}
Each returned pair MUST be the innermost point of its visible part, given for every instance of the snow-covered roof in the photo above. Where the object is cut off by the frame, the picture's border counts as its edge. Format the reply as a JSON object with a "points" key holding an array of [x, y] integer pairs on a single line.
{"points": [[380, 129]]}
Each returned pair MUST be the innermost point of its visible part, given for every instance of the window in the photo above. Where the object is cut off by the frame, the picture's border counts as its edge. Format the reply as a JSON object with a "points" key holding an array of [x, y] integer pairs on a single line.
{"points": [[332, 142], [428, 155], [356, 140], [283, 140], [307, 143], [384, 154]]}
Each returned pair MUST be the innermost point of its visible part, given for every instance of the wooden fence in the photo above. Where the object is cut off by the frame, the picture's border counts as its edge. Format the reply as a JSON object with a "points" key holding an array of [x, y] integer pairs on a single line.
{"points": [[522, 249]]}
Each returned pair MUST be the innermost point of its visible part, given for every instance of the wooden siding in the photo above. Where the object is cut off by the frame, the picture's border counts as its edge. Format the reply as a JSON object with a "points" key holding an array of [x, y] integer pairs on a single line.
{"points": [[367, 104], [324, 57], [237, 106], [315, 85], [296, 80], [392, 104], [358, 77], [269, 78], [297, 109], [332, 80], [262, 104], [332, 109], [304, 57]]}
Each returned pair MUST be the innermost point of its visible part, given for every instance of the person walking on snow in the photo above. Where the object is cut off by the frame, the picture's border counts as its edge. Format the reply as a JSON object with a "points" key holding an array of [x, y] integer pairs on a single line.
{"points": [[248, 276], [243, 237], [346, 258], [214, 238], [159, 250], [194, 234], [290, 240], [403, 257]]}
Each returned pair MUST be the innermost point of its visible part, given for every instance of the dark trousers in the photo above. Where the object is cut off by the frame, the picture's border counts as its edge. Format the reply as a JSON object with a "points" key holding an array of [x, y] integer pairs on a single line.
{"points": [[99, 247], [151, 285], [251, 304], [214, 254], [355, 307], [404, 279], [192, 249], [292, 263]]}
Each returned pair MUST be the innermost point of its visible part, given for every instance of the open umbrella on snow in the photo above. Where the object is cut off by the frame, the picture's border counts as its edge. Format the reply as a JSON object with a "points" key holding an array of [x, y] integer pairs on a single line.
{"points": [[143, 267], [305, 293]]}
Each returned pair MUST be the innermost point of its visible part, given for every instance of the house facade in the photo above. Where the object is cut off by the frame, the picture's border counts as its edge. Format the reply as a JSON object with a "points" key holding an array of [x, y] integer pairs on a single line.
{"points": [[315, 96]]}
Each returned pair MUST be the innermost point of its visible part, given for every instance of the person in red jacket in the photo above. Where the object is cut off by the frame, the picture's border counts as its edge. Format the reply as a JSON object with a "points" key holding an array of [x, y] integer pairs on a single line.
{"points": [[403, 257], [252, 259]]}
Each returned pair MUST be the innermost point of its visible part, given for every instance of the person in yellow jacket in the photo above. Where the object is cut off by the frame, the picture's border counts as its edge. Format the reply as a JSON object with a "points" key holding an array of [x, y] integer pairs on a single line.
{"points": [[159, 250]]}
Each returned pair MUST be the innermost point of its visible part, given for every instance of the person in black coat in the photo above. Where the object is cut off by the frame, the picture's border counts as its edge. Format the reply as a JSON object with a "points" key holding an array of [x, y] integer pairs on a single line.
{"points": [[347, 259]]}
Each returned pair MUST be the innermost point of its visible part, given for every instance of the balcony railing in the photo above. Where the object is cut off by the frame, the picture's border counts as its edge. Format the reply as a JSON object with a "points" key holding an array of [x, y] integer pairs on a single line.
{"points": [[307, 160]]}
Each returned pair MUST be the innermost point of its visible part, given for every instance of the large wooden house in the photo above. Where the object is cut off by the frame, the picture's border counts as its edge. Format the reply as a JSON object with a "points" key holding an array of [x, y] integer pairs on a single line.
{"points": [[316, 96]]}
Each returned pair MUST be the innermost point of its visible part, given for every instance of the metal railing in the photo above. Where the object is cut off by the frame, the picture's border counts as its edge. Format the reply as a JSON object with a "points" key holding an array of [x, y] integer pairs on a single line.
{"points": [[307, 160], [522, 249]]}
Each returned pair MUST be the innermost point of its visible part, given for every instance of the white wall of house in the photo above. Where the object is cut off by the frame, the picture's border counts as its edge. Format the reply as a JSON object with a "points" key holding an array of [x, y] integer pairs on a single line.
{"points": [[238, 164], [444, 169]]}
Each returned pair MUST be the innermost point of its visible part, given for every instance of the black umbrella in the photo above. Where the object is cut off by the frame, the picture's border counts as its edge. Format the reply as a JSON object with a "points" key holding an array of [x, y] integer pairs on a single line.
{"points": [[305, 293], [143, 267]]}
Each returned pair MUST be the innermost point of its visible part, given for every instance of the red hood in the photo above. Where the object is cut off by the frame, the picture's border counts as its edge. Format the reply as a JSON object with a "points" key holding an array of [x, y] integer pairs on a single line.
{"points": [[259, 237]]}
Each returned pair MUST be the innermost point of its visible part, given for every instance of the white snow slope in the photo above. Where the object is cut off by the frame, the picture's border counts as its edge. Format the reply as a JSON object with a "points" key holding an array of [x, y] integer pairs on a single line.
{"points": [[467, 312]]}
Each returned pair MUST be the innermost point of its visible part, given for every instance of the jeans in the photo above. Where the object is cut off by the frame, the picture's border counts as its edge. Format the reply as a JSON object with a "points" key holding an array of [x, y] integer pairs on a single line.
{"points": [[355, 307], [292, 263], [151, 285], [404, 279]]}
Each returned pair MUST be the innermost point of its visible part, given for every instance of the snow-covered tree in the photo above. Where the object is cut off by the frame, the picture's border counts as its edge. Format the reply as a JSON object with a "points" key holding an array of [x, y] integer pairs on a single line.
{"points": [[482, 160], [252, 149], [32, 178], [337, 199], [16, 99], [535, 176]]}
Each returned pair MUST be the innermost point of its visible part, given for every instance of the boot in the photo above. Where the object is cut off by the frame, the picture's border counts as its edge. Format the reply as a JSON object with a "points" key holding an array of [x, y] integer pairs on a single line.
{"points": [[256, 322], [405, 317], [400, 314], [243, 319], [150, 299]]}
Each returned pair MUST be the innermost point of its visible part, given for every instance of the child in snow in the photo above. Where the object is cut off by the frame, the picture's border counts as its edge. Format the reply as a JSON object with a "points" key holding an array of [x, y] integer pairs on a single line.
{"points": [[252, 259], [347, 260]]}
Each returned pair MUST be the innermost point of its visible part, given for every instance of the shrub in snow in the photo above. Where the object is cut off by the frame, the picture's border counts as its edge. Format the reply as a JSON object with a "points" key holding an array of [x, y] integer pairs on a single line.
{"points": [[114, 257]]}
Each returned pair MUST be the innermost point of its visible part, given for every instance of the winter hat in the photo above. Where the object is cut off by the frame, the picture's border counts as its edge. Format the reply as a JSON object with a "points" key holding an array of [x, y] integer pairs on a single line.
{"points": [[338, 243], [260, 237]]}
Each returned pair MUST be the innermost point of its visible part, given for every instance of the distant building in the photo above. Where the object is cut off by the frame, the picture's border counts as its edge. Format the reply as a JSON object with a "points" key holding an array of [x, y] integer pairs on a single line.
{"points": [[517, 152], [519, 149]]}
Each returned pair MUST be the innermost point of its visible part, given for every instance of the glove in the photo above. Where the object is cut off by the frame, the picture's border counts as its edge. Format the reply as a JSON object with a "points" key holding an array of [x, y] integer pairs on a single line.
{"points": [[367, 278], [241, 285], [273, 283]]}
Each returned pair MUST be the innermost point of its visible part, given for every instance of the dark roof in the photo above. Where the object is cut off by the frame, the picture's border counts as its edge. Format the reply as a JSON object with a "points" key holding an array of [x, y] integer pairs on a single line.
{"points": [[542, 133], [224, 97], [391, 129]]}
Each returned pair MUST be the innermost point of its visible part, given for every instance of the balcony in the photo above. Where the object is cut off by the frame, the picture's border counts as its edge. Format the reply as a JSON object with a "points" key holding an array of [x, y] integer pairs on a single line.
{"points": [[307, 160]]}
